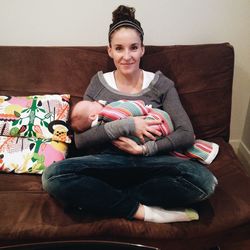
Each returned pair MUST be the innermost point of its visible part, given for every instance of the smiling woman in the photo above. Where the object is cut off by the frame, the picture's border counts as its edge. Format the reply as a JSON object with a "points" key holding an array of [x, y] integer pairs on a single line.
{"points": [[126, 49], [126, 179]]}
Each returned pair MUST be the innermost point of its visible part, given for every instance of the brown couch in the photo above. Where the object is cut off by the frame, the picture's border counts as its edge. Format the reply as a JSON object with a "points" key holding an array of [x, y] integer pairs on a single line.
{"points": [[203, 75]]}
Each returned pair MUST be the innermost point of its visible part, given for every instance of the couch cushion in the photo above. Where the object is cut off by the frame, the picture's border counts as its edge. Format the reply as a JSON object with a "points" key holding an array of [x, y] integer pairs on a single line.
{"points": [[21, 183], [39, 218], [46, 70]]}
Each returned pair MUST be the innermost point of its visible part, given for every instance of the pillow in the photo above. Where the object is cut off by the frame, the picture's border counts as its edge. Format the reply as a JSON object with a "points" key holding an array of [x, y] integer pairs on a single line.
{"points": [[29, 155], [203, 151], [37, 116]]}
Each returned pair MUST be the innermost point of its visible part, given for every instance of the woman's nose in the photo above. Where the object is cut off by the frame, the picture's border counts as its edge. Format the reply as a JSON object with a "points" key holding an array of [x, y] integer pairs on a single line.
{"points": [[126, 55]]}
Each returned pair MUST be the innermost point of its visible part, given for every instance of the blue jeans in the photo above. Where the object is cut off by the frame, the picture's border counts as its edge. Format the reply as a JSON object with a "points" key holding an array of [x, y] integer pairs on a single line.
{"points": [[115, 185]]}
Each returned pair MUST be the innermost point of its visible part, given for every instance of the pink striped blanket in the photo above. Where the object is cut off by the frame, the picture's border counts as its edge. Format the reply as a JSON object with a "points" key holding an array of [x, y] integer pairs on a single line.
{"points": [[201, 150]]}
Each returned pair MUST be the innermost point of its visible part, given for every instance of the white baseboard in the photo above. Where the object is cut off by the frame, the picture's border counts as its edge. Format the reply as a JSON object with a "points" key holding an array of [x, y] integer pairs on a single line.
{"points": [[235, 144], [242, 152], [244, 155]]}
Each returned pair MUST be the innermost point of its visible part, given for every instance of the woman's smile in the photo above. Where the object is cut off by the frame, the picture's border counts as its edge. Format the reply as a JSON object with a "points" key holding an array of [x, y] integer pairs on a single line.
{"points": [[126, 50]]}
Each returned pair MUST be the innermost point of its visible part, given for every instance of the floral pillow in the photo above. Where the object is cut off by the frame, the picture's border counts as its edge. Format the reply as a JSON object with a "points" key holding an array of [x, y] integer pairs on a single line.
{"points": [[29, 155], [37, 116], [33, 132]]}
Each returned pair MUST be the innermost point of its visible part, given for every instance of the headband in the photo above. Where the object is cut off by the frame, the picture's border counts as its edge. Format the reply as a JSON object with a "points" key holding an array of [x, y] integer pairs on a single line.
{"points": [[126, 23]]}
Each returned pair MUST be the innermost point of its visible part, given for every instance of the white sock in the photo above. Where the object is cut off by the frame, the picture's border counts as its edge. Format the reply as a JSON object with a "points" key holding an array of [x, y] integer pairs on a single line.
{"points": [[160, 215]]}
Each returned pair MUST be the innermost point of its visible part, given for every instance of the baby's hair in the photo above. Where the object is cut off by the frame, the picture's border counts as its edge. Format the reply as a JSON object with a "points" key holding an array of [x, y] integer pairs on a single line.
{"points": [[124, 16], [76, 118], [73, 118]]}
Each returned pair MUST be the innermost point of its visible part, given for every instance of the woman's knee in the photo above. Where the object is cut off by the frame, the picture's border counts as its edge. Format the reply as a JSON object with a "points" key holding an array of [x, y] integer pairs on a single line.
{"points": [[210, 184], [60, 173], [208, 181], [48, 175], [199, 176]]}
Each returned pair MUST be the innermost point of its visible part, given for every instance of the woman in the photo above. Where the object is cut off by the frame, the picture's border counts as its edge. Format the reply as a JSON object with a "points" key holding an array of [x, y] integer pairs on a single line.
{"points": [[129, 180]]}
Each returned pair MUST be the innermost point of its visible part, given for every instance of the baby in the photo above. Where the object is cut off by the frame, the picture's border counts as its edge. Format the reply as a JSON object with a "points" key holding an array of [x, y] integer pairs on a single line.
{"points": [[86, 114]]}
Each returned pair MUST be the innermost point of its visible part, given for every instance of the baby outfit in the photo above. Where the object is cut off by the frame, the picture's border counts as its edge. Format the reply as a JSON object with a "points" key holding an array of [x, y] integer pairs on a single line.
{"points": [[201, 150]]}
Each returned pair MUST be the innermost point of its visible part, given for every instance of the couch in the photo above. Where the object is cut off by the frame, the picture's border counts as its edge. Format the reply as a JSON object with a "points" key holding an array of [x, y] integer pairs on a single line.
{"points": [[203, 75]]}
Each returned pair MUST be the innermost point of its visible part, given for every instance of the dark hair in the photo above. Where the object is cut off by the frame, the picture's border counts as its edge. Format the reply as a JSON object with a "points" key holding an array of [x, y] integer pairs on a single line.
{"points": [[124, 16]]}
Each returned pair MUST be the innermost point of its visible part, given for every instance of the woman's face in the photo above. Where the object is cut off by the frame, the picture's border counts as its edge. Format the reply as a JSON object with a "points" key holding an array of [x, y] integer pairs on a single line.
{"points": [[126, 49]]}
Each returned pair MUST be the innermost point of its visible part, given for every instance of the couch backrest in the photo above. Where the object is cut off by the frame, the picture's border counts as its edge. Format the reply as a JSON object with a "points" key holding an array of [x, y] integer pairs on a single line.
{"points": [[203, 75]]}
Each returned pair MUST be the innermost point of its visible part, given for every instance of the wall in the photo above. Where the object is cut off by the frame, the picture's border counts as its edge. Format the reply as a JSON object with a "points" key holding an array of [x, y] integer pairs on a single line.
{"points": [[246, 132], [244, 146], [165, 22]]}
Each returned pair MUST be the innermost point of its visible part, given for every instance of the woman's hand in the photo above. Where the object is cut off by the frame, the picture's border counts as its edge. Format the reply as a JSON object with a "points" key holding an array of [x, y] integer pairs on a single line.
{"points": [[127, 145], [145, 127]]}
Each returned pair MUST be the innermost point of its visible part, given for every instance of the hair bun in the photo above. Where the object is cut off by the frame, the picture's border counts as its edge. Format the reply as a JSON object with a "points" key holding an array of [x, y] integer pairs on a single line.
{"points": [[124, 16], [123, 13]]}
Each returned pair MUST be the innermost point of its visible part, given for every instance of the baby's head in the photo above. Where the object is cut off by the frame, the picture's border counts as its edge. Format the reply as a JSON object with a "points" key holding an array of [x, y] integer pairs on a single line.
{"points": [[83, 114]]}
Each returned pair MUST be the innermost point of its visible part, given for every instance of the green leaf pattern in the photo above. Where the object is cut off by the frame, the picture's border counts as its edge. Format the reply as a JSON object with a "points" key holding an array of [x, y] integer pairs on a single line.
{"points": [[31, 116]]}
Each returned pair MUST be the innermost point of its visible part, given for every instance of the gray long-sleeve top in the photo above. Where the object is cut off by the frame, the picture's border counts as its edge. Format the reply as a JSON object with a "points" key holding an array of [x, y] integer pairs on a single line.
{"points": [[161, 93]]}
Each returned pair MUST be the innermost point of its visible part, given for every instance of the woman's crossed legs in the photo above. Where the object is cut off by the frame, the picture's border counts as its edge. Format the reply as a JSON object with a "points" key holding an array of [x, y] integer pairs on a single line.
{"points": [[127, 186]]}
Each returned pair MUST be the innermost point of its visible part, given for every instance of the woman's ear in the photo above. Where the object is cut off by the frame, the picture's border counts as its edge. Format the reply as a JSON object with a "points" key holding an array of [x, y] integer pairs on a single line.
{"points": [[143, 50], [109, 51]]}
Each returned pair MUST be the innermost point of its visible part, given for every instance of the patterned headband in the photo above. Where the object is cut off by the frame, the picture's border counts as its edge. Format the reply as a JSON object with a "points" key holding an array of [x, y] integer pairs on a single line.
{"points": [[126, 23]]}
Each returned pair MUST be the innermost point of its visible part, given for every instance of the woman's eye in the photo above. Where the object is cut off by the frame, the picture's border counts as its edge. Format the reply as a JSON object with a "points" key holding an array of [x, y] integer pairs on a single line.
{"points": [[134, 48], [118, 48]]}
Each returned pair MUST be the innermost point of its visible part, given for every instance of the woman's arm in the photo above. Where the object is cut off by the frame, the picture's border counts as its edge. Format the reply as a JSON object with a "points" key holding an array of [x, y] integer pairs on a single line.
{"points": [[99, 135], [183, 134], [103, 134]]}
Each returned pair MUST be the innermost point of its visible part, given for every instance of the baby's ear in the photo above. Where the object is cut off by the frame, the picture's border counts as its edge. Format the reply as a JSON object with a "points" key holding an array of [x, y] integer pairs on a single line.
{"points": [[92, 117]]}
